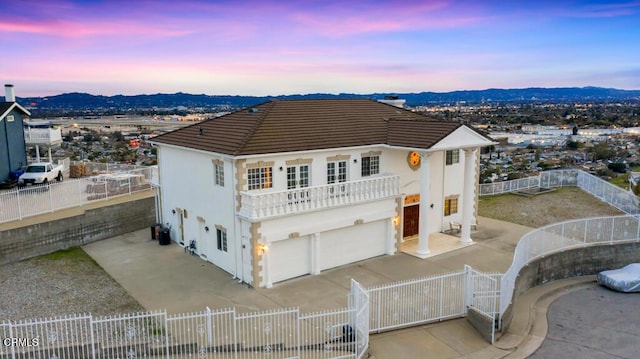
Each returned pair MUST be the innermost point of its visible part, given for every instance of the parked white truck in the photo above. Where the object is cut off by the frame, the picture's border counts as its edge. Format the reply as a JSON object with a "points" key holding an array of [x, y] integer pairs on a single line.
{"points": [[41, 173]]}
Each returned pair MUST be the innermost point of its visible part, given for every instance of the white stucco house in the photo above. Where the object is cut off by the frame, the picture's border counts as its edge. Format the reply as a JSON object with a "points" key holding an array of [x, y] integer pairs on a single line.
{"points": [[294, 187]]}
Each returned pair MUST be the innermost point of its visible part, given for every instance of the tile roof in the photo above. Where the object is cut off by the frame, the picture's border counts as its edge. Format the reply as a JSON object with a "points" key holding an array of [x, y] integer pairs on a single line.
{"points": [[299, 125]]}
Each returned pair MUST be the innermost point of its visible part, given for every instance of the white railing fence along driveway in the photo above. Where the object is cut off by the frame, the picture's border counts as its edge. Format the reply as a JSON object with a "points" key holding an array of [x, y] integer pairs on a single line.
{"points": [[29, 201], [281, 333]]}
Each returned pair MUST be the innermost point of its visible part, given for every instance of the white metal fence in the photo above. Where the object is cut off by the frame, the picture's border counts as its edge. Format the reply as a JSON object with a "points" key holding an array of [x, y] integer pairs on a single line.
{"points": [[29, 201], [417, 301], [281, 333], [547, 179], [615, 196]]}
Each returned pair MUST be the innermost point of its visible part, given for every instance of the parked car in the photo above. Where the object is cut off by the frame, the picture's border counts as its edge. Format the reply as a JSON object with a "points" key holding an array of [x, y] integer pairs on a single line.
{"points": [[40, 173]]}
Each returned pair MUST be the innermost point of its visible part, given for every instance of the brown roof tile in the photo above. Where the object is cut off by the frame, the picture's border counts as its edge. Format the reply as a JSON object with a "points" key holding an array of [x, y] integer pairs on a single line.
{"points": [[299, 125]]}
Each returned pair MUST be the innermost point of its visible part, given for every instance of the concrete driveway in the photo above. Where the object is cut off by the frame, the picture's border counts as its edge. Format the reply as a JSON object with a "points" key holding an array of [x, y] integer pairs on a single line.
{"points": [[166, 277]]}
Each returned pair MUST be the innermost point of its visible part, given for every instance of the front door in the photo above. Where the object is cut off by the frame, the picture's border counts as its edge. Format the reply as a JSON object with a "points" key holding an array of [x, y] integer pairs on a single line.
{"points": [[411, 221]]}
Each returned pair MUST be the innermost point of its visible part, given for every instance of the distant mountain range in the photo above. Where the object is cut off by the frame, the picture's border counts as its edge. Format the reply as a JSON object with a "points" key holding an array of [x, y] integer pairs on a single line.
{"points": [[86, 102]]}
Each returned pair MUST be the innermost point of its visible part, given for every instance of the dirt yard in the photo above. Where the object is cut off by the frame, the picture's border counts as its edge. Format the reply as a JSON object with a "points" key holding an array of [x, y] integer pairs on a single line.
{"points": [[543, 209], [61, 283]]}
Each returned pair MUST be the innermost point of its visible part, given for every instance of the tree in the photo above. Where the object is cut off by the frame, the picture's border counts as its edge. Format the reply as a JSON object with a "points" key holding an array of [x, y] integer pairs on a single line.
{"points": [[618, 167], [117, 136], [601, 151]]}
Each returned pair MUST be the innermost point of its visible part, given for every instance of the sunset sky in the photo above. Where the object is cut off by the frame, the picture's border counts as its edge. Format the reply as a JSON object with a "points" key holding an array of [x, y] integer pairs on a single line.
{"points": [[272, 47]]}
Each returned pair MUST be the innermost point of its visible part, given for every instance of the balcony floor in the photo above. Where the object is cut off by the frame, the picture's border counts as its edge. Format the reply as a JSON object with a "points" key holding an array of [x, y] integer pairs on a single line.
{"points": [[439, 243]]}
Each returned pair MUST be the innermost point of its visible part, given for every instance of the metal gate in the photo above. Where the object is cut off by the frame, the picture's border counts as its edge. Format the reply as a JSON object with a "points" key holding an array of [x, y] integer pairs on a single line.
{"points": [[359, 303], [483, 295]]}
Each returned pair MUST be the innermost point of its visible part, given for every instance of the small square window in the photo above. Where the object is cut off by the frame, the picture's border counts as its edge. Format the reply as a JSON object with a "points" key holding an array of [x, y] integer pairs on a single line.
{"points": [[10, 118], [450, 206], [370, 166], [453, 157]]}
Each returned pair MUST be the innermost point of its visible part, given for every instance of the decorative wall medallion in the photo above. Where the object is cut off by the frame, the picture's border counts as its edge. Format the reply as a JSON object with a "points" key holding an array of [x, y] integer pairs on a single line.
{"points": [[413, 159]]}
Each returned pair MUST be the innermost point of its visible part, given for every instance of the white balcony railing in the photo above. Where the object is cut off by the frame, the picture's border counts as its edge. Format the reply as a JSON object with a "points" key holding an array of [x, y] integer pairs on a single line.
{"points": [[42, 136], [263, 205]]}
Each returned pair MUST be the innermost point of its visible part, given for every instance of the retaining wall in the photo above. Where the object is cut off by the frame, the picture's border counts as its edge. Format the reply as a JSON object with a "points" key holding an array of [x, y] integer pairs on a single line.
{"points": [[25, 240], [571, 263]]}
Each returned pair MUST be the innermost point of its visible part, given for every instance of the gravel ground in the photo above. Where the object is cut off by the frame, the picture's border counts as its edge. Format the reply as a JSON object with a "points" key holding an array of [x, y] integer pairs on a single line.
{"points": [[70, 282], [62, 283], [543, 209]]}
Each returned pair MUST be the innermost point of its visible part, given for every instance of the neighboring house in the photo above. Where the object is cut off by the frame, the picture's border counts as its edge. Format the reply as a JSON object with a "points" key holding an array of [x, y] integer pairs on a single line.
{"points": [[294, 187], [13, 154]]}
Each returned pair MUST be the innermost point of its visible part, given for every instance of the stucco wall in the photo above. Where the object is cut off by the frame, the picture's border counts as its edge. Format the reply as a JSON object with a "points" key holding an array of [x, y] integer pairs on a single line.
{"points": [[87, 226], [188, 189]]}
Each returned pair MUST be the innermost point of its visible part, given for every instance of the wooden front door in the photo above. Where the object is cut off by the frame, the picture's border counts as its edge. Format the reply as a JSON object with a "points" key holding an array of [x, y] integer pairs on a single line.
{"points": [[411, 220]]}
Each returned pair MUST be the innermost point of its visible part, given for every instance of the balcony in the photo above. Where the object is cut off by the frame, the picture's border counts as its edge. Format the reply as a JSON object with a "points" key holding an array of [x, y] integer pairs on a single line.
{"points": [[42, 136], [256, 206]]}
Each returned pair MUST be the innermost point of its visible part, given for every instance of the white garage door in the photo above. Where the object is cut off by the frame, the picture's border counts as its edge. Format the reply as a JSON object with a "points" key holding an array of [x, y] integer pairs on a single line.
{"points": [[352, 244], [289, 258]]}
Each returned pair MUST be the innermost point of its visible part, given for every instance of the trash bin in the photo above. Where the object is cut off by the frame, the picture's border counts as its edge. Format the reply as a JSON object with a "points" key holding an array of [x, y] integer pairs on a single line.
{"points": [[155, 231], [165, 237]]}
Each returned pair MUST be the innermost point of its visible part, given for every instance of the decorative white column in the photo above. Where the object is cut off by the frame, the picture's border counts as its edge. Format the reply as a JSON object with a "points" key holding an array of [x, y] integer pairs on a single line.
{"points": [[467, 194], [423, 219], [315, 253]]}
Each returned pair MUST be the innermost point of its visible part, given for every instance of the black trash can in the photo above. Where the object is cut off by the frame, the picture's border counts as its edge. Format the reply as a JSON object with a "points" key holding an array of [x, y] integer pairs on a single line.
{"points": [[155, 231], [165, 237]]}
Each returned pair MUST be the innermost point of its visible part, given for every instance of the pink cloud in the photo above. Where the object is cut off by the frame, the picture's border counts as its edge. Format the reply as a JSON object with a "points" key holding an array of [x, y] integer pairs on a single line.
{"points": [[390, 18], [79, 29], [608, 10]]}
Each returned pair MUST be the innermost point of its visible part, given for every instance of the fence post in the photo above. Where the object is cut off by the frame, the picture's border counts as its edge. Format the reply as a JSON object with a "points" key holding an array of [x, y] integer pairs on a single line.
{"points": [[613, 226], [166, 334], [584, 239], [235, 334], [106, 189], [13, 347], [82, 198], [129, 178], [19, 206], [209, 334], [467, 287], [298, 339], [93, 341], [50, 189]]}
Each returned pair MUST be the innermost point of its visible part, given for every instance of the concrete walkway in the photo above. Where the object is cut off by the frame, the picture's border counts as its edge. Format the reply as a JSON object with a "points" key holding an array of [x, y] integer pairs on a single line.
{"points": [[165, 277]]}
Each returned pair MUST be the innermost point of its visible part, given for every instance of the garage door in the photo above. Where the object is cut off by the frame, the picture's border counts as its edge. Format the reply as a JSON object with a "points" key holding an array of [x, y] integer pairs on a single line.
{"points": [[289, 258], [352, 244]]}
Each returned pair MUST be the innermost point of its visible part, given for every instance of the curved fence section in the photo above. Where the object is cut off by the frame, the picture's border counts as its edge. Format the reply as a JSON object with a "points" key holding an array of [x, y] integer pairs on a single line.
{"points": [[562, 236], [615, 196], [547, 179]]}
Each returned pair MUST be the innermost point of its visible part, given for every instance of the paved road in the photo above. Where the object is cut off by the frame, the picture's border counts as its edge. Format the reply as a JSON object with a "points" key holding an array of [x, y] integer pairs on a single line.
{"points": [[593, 323]]}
